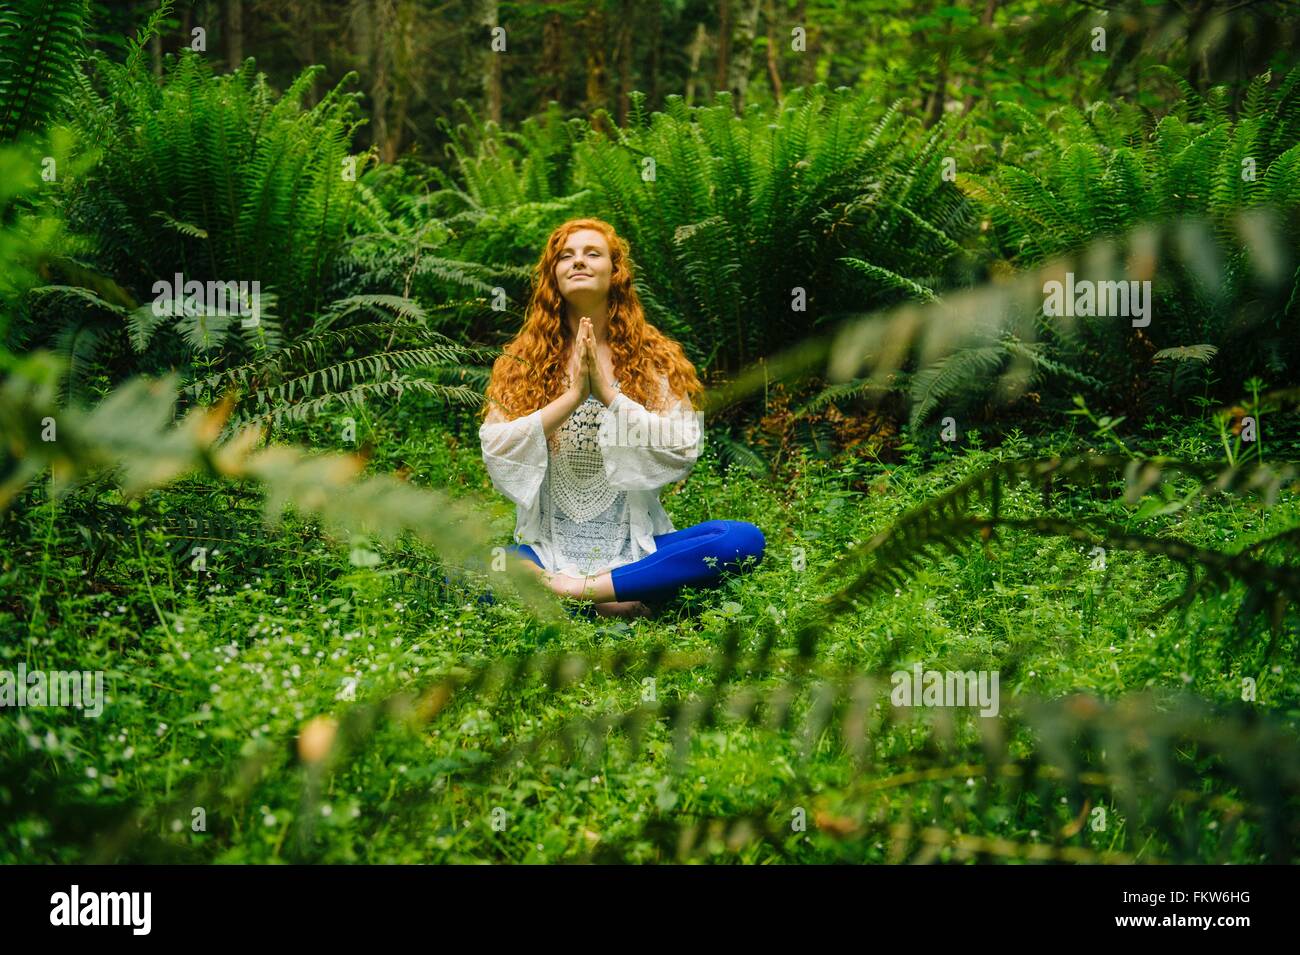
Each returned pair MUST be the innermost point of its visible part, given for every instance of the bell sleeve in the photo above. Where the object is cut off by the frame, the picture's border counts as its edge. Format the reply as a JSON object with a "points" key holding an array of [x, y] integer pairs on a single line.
{"points": [[515, 455], [643, 450]]}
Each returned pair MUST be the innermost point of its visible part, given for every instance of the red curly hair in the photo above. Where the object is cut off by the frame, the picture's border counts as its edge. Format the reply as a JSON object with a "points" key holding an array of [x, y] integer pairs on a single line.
{"points": [[530, 372]]}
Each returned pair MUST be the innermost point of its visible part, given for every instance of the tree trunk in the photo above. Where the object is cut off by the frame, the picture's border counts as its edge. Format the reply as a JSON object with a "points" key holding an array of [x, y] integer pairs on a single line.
{"points": [[488, 19], [402, 63], [235, 33], [155, 48], [697, 50], [307, 14], [627, 14], [808, 58], [363, 35], [773, 68], [986, 20], [372, 25], [597, 63], [656, 44], [723, 76], [940, 95], [1198, 62], [553, 34], [371, 22], [743, 60]]}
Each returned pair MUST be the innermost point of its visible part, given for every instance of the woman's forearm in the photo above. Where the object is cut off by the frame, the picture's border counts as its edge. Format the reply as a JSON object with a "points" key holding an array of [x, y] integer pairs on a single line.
{"points": [[558, 411]]}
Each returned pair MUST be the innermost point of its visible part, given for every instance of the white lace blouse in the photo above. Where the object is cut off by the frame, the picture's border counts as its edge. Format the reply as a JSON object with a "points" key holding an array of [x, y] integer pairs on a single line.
{"points": [[587, 499]]}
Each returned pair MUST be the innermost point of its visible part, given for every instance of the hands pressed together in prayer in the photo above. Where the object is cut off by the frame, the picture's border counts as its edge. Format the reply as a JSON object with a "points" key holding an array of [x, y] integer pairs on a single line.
{"points": [[586, 377]]}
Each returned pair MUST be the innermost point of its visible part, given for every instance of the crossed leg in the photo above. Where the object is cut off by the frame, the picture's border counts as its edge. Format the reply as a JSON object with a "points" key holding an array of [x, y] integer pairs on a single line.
{"points": [[697, 556], [598, 588]]}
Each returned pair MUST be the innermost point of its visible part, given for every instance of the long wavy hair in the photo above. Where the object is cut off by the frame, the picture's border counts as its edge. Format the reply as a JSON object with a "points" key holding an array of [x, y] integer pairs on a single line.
{"points": [[530, 372]]}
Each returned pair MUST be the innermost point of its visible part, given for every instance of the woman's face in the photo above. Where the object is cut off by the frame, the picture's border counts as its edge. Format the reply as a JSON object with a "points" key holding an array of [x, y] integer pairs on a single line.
{"points": [[583, 268]]}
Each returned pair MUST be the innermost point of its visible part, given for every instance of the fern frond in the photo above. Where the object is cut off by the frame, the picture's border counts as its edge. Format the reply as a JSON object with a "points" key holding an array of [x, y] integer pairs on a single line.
{"points": [[947, 523], [732, 452], [844, 391], [42, 43], [950, 375], [354, 398], [891, 279], [1201, 353]]}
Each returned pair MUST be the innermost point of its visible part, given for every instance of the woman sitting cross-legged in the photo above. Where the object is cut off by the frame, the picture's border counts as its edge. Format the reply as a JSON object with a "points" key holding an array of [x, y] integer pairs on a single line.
{"points": [[589, 414]]}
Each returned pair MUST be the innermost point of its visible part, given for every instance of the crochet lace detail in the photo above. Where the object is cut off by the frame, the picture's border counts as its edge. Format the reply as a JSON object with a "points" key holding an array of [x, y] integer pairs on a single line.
{"points": [[580, 487], [589, 519]]}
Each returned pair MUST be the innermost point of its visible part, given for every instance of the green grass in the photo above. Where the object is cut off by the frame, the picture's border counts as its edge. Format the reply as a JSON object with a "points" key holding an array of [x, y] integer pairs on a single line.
{"points": [[211, 675]]}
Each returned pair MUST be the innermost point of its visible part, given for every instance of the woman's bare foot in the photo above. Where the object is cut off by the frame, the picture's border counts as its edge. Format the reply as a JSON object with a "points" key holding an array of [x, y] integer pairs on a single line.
{"points": [[622, 608], [598, 588]]}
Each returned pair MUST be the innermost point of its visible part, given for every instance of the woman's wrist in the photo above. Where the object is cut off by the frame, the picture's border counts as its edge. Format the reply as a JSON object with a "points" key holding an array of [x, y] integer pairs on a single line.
{"points": [[558, 411], [605, 392]]}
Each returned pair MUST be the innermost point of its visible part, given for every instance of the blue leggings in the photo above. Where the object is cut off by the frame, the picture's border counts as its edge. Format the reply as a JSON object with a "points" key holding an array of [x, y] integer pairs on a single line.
{"points": [[682, 558]]}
